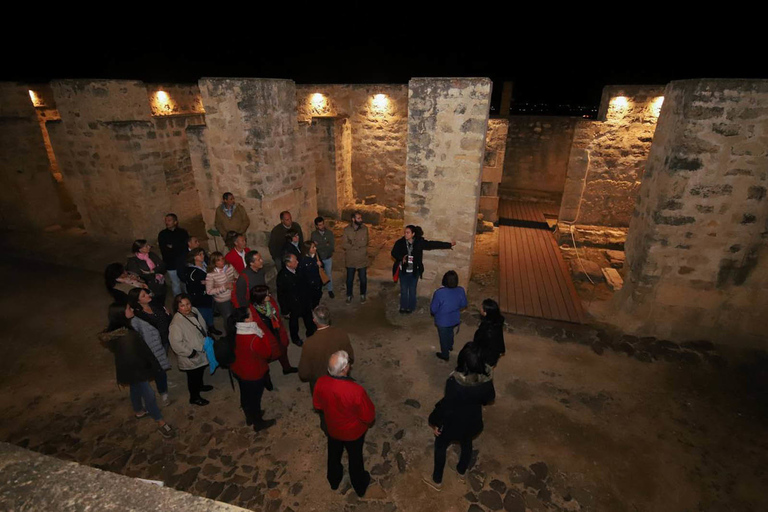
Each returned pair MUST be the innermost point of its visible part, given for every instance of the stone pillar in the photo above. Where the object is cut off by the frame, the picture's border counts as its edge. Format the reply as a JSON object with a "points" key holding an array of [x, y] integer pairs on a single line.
{"points": [[28, 197], [506, 98], [697, 250], [248, 147], [447, 122], [493, 168]]}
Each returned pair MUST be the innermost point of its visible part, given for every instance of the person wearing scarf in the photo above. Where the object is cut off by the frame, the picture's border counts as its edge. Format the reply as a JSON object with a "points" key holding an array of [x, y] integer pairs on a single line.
{"points": [[194, 277], [266, 316], [149, 267]]}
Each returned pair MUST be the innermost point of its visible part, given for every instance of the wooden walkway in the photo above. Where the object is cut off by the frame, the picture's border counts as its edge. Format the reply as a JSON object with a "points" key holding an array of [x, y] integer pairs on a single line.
{"points": [[534, 278]]}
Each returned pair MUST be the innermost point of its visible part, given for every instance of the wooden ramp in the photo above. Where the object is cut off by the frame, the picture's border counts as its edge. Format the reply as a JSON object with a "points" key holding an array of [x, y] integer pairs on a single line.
{"points": [[534, 278]]}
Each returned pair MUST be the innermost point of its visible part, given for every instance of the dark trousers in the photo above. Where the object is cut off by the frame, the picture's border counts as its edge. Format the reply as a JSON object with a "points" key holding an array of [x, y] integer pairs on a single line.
{"points": [[161, 381], [408, 282], [251, 392], [359, 477], [441, 446], [225, 309], [284, 362], [195, 382], [362, 274], [293, 322], [446, 339]]}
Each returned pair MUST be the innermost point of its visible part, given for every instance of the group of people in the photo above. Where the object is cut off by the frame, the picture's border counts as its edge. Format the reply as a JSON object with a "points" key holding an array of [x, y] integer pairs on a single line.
{"points": [[233, 285]]}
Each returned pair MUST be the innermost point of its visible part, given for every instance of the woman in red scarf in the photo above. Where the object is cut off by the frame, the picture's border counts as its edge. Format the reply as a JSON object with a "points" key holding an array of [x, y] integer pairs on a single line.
{"points": [[267, 317], [149, 267]]}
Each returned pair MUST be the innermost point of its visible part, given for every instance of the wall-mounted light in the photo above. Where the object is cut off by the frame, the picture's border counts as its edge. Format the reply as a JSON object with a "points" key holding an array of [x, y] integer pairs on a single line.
{"points": [[656, 106], [619, 102], [380, 101], [162, 96], [319, 102], [35, 99]]}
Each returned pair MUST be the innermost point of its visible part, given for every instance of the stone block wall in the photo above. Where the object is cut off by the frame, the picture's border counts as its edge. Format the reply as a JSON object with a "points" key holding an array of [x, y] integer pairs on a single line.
{"points": [[697, 248], [378, 127], [447, 122], [28, 196], [249, 147], [125, 168], [607, 157], [320, 155], [493, 168], [536, 158]]}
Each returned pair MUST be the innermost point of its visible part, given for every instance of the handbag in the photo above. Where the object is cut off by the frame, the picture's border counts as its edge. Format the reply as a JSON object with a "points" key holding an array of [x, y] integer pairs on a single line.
{"points": [[323, 276], [396, 275]]}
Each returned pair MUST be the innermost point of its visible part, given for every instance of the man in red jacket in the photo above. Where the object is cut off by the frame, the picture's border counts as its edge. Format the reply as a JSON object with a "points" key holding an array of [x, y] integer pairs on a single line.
{"points": [[348, 413]]}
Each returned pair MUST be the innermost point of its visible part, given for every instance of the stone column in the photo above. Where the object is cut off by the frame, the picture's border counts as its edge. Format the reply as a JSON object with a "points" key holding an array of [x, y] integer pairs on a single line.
{"points": [[248, 147], [447, 122], [697, 249]]}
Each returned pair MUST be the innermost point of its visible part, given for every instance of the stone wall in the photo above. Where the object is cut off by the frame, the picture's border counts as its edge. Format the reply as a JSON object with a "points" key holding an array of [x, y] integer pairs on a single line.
{"points": [[378, 123], [320, 155], [493, 168], [536, 158], [607, 157], [28, 196], [697, 249], [447, 122], [125, 168], [249, 147]]}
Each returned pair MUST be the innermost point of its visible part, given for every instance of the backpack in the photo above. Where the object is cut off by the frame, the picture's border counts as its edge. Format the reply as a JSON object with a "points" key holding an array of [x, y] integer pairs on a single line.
{"points": [[224, 349], [235, 302]]}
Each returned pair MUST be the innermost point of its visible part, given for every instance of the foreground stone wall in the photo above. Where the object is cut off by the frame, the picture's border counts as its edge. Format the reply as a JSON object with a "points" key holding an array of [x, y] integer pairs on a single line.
{"points": [[447, 122], [697, 248], [28, 196], [249, 147], [493, 168], [536, 157], [378, 125], [607, 157]]}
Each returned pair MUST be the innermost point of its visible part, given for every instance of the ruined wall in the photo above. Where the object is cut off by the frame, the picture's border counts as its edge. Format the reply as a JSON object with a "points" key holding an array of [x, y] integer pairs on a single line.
{"points": [[608, 156], [378, 117], [697, 249], [28, 196], [249, 147], [493, 168], [536, 156], [320, 155], [125, 168], [447, 121]]}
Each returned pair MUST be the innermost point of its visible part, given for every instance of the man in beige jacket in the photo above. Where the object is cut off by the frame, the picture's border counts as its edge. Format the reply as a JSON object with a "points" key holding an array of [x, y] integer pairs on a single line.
{"points": [[231, 217], [319, 347], [355, 241]]}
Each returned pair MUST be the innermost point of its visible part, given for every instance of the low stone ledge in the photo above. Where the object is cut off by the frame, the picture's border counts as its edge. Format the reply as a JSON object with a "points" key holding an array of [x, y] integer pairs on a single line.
{"points": [[30, 481]]}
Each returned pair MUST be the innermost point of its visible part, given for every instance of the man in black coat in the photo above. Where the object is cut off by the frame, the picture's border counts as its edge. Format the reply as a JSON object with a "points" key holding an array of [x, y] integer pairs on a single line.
{"points": [[294, 298], [173, 246]]}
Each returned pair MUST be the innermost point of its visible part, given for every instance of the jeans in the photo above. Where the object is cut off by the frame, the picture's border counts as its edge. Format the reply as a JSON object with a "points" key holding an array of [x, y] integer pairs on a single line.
{"points": [[176, 285], [225, 309], [408, 282], [142, 390], [195, 382], [362, 275], [251, 392], [358, 476], [328, 267], [441, 446], [207, 314], [446, 339], [161, 381]]}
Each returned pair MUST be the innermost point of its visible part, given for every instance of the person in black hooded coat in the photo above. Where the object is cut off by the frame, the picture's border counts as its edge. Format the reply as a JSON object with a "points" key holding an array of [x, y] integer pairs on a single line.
{"points": [[490, 334], [458, 417]]}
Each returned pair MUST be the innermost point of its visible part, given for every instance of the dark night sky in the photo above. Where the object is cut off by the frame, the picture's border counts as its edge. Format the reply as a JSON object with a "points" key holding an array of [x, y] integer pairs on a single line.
{"points": [[554, 64]]}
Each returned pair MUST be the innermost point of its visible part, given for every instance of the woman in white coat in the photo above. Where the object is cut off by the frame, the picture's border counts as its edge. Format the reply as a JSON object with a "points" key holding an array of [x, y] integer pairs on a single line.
{"points": [[187, 334]]}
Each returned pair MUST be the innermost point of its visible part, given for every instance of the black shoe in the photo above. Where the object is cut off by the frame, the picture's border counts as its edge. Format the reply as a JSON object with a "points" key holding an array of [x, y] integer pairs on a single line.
{"points": [[263, 424], [214, 331], [290, 370], [408, 311], [331, 295], [268, 383], [361, 492], [199, 401], [441, 356], [250, 419], [206, 387], [298, 342], [402, 311]]}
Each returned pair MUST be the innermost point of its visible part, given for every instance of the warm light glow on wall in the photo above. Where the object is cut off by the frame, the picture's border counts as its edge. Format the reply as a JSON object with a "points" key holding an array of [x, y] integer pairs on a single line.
{"points": [[620, 102], [380, 104], [162, 96], [35, 100], [319, 102], [656, 106]]}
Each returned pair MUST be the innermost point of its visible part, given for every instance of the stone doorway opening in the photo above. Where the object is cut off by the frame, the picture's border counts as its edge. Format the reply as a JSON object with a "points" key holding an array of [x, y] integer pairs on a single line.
{"points": [[329, 154]]}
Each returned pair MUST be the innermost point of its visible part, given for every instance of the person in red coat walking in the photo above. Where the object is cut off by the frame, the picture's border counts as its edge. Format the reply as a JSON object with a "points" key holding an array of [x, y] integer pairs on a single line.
{"points": [[267, 317], [253, 352], [236, 256], [348, 413]]}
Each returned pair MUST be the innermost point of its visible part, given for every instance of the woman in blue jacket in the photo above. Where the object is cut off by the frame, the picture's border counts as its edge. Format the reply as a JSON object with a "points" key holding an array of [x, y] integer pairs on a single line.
{"points": [[447, 303]]}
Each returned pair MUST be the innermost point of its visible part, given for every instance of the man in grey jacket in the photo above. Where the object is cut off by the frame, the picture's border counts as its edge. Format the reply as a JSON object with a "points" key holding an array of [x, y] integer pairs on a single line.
{"points": [[355, 239], [323, 238], [252, 275]]}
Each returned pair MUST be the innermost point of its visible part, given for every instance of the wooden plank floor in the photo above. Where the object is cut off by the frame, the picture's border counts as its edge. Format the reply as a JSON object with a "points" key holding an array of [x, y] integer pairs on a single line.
{"points": [[526, 213], [534, 278]]}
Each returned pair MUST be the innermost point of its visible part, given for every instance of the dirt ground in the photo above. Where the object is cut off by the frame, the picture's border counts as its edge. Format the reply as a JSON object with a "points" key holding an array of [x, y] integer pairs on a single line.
{"points": [[571, 429]]}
